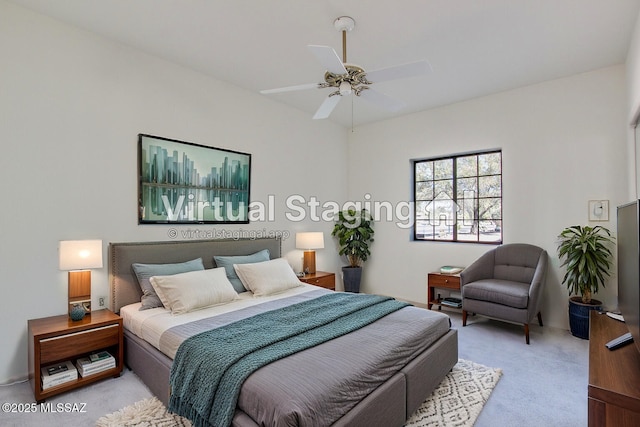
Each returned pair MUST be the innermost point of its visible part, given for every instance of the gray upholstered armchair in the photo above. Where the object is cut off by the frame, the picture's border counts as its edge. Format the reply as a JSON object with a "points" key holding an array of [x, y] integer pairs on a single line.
{"points": [[506, 283]]}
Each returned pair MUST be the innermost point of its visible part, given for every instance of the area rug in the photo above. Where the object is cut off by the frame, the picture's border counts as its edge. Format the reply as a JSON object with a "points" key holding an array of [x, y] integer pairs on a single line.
{"points": [[459, 398], [457, 401]]}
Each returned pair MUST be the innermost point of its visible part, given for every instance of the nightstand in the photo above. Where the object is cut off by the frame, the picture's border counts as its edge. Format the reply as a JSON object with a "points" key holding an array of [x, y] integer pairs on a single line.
{"points": [[443, 281], [323, 279], [58, 339]]}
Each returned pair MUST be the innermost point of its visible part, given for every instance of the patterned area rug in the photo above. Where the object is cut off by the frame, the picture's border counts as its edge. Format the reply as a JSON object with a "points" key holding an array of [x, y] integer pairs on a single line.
{"points": [[145, 413], [457, 401], [459, 398]]}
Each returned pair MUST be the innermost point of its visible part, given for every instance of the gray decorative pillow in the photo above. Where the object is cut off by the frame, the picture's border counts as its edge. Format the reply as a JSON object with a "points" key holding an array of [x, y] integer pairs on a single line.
{"points": [[145, 271], [228, 261]]}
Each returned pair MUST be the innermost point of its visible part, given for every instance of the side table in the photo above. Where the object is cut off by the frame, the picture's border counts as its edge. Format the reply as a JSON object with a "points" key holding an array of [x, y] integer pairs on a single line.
{"points": [[441, 281]]}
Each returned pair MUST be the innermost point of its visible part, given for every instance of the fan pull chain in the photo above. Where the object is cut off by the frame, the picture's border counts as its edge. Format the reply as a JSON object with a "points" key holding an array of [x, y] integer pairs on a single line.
{"points": [[352, 114]]}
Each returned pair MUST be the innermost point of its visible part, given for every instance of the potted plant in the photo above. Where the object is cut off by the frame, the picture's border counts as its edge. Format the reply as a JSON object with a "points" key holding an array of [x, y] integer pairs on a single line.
{"points": [[354, 232], [585, 253]]}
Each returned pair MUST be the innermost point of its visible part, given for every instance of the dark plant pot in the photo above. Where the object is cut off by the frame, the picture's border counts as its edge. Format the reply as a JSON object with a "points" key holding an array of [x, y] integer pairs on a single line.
{"points": [[351, 277], [579, 316]]}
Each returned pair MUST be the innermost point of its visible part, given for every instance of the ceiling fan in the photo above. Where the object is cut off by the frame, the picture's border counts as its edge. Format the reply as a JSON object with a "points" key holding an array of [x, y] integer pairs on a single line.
{"points": [[352, 79]]}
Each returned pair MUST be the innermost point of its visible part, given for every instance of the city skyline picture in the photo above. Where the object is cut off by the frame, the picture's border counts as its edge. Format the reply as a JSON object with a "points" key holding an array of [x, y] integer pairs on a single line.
{"points": [[183, 182]]}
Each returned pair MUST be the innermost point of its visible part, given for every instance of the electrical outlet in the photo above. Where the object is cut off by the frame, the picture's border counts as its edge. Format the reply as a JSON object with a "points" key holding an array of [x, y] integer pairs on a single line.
{"points": [[101, 301]]}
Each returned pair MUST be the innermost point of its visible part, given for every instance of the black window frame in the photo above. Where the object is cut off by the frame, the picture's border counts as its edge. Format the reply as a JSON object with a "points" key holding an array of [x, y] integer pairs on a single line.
{"points": [[491, 226]]}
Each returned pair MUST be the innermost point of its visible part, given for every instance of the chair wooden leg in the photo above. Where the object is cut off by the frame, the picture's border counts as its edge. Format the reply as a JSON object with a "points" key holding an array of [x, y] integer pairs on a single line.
{"points": [[464, 317], [540, 318], [526, 332]]}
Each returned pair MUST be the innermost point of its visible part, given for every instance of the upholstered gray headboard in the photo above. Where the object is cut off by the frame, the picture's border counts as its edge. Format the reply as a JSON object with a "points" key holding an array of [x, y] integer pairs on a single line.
{"points": [[123, 284]]}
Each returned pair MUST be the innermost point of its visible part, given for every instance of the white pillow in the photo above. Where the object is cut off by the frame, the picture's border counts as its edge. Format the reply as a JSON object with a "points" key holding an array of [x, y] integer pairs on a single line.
{"points": [[194, 290], [267, 277]]}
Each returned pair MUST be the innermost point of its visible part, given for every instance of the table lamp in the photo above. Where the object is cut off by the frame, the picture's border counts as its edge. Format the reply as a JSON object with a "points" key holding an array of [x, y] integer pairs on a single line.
{"points": [[308, 242], [77, 257]]}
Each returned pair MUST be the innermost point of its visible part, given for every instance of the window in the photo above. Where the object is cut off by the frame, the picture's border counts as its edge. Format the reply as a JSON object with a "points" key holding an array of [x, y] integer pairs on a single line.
{"points": [[459, 198]]}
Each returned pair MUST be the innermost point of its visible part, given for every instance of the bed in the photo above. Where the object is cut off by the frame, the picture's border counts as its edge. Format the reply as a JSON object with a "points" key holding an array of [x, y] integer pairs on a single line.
{"points": [[345, 381]]}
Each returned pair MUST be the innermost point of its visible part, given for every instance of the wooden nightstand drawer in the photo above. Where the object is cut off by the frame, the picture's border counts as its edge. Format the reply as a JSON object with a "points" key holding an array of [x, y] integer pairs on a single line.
{"points": [[444, 281], [321, 278], [69, 345], [325, 282]]}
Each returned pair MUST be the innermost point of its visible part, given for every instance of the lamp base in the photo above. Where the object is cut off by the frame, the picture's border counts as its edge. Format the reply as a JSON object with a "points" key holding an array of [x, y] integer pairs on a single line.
{"points": [[309, 262], [80, 290]]}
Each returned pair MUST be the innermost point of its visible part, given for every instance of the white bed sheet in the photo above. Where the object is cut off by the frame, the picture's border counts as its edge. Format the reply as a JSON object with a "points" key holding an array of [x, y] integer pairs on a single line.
{"points": [[152, 323]]}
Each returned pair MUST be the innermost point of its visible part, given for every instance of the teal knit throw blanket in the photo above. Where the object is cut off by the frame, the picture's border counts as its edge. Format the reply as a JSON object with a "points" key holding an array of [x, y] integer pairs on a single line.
{"points": [[209, 368]]}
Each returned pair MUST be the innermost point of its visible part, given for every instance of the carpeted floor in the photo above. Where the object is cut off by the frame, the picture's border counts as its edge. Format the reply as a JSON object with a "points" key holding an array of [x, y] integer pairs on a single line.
{"points": [[457, 401]]}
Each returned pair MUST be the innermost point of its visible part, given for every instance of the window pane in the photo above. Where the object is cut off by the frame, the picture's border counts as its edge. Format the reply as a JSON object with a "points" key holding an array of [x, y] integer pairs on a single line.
{"points": [[467, 237], [443, 189], [467, 166], [467, 187], [443, 212], [422, 210], [467, 231], [424, 230], [489, 186], [424, 171], [490, 209], [424, 190], [489, 232], [489, 164], [444, 232], [443, 169]]}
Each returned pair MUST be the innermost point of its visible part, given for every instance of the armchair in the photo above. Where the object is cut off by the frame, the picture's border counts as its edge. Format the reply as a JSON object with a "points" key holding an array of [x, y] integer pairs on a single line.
{"points": [[506, 284]]}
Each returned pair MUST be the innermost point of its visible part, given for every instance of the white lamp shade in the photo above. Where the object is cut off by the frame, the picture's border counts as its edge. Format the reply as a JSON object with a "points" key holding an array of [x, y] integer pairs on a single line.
{"points": [[310, 240], [80, 254]]}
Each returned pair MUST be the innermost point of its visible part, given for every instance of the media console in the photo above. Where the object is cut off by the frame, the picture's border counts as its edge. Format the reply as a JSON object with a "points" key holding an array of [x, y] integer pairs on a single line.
{"points": [[614, 376]]}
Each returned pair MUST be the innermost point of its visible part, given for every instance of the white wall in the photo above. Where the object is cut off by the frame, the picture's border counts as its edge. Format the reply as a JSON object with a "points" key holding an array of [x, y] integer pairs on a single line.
{"points": [[71, 106], [563, 143]]}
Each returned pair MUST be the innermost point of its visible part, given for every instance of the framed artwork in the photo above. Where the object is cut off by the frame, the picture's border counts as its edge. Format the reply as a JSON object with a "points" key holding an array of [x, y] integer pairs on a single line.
{"points": [[184, 183], [598, 210]]}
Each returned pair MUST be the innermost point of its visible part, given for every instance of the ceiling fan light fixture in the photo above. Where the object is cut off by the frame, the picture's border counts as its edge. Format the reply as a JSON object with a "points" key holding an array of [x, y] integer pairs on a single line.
{"points": [[345, 88]]}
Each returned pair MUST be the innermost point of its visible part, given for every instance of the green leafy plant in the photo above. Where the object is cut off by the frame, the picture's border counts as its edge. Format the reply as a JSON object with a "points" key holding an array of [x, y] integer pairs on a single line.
{"points": [[354, 232], [585, 253]]}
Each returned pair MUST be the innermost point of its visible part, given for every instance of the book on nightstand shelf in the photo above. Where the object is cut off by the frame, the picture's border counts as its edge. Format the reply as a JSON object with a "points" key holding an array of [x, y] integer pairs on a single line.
{"points": [[452, 302], [57, 374], [95, 363]]}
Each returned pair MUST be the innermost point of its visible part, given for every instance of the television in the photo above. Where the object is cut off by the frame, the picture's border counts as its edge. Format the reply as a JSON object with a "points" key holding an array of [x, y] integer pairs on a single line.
{"points": [[628, 240]]}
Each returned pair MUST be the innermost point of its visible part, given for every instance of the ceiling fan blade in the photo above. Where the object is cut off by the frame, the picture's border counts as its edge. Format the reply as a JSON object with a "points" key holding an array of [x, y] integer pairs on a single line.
{"points": [[382, 100], [290, 88], [327, 107], [328, 58], [399, 71]]}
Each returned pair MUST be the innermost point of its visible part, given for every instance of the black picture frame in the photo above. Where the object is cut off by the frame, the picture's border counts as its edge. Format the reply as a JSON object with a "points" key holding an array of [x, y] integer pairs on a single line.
{"points": [[181, 182]]}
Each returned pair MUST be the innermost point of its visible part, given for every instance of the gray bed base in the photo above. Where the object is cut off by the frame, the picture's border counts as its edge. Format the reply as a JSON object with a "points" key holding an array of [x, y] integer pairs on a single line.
{"points": [[389, 405]]}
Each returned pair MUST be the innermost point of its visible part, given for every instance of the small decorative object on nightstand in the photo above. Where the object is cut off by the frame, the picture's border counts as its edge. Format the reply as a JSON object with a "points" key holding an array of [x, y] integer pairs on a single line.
{"points": [[77, 312], [441, 281], [57, 340], [323, 279]]}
